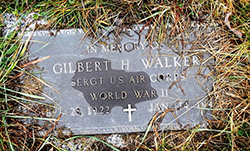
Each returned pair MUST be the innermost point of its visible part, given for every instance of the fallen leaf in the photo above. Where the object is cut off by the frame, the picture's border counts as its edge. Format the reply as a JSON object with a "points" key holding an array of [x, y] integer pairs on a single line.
{"points": [[227, 22], [237, 32]]}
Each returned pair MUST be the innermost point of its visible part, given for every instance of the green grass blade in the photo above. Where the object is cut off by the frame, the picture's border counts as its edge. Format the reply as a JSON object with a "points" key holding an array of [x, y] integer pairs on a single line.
{"points": [[145, 135], [7, 134], [212, 130], [92, 137], [46, 141], [30, 117], [24, 94], [155, 14]]}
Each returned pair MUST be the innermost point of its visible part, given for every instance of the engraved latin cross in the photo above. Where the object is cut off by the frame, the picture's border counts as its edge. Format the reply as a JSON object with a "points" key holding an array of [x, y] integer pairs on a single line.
{"points": [[129, 110]]}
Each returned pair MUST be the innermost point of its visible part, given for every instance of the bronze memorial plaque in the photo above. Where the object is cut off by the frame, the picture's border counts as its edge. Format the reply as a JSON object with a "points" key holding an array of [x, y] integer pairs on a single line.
{"points": [[117, 83]]}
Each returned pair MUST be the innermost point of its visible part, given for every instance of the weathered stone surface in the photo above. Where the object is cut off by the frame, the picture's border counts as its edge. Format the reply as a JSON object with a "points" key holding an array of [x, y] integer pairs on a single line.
{"points": [[103, 88], [119, 85]]}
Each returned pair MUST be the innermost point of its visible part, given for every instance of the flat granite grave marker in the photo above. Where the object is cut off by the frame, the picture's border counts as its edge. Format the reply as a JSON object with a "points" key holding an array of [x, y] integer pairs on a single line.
{"points": [[118, 85]]}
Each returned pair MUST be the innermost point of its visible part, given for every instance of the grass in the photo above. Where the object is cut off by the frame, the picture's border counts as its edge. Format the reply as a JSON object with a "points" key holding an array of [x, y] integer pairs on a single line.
{"points": [[230, 128]]}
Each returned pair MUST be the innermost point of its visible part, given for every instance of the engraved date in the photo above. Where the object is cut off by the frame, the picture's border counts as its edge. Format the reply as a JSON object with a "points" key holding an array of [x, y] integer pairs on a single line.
{"points": [[102, 110], [77, 111]]}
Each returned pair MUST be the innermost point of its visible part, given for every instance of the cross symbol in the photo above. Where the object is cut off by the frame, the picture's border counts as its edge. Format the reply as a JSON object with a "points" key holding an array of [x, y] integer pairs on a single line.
{"points": [[129, 110]]}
